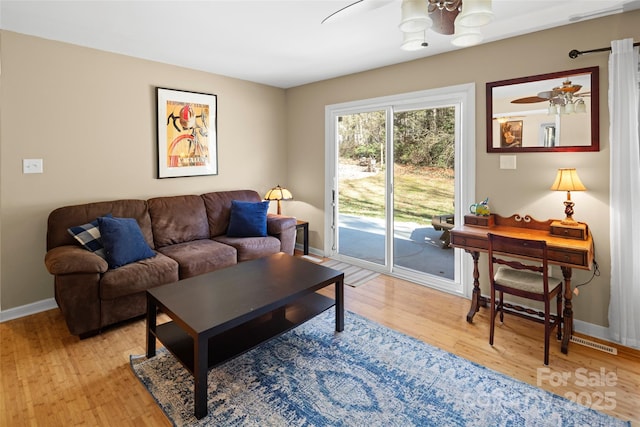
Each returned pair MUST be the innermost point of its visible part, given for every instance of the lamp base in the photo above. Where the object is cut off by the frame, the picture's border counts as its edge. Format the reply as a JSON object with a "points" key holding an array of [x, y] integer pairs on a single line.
{"points": [[569, 221], [577, 230]]}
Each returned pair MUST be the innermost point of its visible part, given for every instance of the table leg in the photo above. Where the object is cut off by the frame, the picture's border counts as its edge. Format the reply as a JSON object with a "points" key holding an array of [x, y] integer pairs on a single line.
{"points": [[200, 371], [475, 297], [304, 225], [567, 314], [151, 326], [340, 304]]}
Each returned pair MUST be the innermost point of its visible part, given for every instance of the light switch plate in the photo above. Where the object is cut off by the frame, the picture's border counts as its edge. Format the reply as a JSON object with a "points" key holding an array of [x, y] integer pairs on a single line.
{"points": [[507, 162], [32, 166]]}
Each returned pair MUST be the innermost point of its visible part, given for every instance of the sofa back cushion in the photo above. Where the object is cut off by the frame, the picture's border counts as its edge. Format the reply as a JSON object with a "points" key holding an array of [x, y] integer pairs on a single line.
{"points": [[218, 206], [61, 219], [178, 219]]}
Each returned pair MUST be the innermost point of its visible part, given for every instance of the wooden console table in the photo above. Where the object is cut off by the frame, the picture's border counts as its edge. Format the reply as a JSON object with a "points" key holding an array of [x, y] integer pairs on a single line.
{"points": [[568, 253]]}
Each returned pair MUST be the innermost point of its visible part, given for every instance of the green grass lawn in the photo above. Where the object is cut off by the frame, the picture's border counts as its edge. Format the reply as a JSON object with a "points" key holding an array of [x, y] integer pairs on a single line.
{"points": [[420, 193]]}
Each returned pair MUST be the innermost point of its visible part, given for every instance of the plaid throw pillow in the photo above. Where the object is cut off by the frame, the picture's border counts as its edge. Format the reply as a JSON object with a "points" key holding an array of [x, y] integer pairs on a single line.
{"points": [[89, 236]]}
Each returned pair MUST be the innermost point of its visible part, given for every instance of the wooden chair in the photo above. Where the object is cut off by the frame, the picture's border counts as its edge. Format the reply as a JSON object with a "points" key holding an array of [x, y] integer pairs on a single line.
{"points": [[528, 279]]}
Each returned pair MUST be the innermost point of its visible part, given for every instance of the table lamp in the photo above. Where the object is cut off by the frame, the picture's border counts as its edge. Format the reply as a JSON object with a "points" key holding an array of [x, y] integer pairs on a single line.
{"points": [[567, 180], [278, 193]]}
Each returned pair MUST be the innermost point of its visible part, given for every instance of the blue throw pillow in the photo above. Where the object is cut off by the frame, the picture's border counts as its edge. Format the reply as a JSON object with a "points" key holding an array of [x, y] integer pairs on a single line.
{"points": [[248, 219], [123, 241], [89, 237]]}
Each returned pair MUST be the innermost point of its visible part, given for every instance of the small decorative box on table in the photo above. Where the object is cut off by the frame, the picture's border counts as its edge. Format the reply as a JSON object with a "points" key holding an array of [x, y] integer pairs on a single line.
{"points": [[578, 231], [479, 220]]}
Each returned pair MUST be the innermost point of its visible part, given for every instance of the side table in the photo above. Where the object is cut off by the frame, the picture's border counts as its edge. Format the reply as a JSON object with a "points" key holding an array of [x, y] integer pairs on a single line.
{"points": [[304, 225]]}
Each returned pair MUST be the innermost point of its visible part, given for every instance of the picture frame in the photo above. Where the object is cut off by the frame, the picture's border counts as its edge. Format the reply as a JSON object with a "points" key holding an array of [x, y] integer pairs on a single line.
{"points": [[511, 134], [187, 133]]}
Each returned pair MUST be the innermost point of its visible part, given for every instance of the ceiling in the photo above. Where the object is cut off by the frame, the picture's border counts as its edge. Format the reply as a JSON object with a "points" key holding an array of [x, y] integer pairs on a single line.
{"points": [[280, 43]]}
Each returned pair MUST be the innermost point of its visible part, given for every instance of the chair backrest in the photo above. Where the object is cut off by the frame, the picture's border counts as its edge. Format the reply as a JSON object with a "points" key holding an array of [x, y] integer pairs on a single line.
{"points": [[503, 249]]}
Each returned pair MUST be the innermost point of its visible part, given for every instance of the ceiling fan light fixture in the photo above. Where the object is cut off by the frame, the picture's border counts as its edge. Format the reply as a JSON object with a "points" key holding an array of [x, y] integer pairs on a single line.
{"points": [[413, 41], [465, 36], [414, 16], [475, 13], [568, 109]]}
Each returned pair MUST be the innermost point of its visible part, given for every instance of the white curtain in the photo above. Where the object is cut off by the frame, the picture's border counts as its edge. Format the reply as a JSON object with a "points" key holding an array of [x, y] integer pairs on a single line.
{"points": [[624, 140]]}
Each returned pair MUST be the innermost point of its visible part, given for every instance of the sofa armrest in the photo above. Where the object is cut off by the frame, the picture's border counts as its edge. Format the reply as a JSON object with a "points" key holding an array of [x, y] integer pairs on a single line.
{"points": [[276, 224], [73, 259], [284, 228]]}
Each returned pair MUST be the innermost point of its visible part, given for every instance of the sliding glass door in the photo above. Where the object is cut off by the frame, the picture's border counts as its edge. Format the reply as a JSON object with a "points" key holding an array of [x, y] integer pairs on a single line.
{"points": [[392, 184]]}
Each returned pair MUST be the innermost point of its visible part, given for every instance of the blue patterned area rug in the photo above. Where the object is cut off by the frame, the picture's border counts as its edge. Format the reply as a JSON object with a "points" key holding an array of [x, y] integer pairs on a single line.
{"points": [[367, 375]]}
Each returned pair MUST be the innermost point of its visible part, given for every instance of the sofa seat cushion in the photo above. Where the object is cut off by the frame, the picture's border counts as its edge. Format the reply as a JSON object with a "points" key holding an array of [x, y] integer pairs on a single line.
{"points": [[200, 256], [251, 247], [138, 276]]}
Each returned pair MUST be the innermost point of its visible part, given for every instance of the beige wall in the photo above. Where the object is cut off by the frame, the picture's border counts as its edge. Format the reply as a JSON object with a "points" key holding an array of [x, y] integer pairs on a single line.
{"points": [[524, 190], [91, 116]]}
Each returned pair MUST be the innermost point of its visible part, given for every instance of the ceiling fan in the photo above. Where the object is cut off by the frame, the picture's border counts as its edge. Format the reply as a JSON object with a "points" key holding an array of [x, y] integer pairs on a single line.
{"points": [[564, 99], [557, 93], [442, 12], [460, 18]]}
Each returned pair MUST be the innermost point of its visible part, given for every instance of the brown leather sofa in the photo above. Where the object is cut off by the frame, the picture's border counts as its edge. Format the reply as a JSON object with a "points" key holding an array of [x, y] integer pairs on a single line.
{"points": [[187, 234]]}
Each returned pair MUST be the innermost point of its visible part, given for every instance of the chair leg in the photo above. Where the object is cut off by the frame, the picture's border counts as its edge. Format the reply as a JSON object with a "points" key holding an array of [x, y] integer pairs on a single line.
{"points": [[501, 307], [547, 330], [559, 311], [492, 323]]}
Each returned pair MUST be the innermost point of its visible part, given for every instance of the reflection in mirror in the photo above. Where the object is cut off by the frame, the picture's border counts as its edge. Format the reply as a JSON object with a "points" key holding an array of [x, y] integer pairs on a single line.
{"points": [[549, 112]]}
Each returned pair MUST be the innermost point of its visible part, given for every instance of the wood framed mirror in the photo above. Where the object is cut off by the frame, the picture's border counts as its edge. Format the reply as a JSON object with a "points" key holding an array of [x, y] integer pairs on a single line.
{"points": [[552, 112]]}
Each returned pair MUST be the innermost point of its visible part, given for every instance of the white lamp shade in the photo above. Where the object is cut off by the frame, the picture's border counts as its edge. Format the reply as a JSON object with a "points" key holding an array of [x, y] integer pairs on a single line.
{"points": [[581, 107], [476, 13], [465, 36], [412, 41], [415, 16], [568, 109]]}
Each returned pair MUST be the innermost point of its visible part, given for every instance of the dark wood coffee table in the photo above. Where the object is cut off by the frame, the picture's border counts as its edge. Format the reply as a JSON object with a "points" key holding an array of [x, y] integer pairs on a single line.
{"points": [[222, 314]]}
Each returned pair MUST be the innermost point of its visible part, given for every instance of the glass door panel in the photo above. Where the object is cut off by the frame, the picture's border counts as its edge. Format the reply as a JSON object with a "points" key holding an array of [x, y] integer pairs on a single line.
{"points": [[361, 183], [423, 190]]}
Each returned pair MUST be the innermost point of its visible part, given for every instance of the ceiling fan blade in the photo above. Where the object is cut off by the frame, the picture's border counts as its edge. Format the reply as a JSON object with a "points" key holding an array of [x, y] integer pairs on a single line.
{"points": [[342, 13], [355, 8], [507, 118], [529, 100]]}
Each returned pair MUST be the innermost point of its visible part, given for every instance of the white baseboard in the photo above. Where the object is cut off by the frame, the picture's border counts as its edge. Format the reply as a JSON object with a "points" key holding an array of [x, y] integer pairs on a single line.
{"points": [[28, 309], [312, 251], [595, 331]]}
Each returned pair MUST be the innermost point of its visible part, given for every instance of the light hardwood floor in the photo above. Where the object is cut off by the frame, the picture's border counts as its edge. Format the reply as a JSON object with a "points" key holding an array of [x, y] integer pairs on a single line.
{"points": [[50, 378]]}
